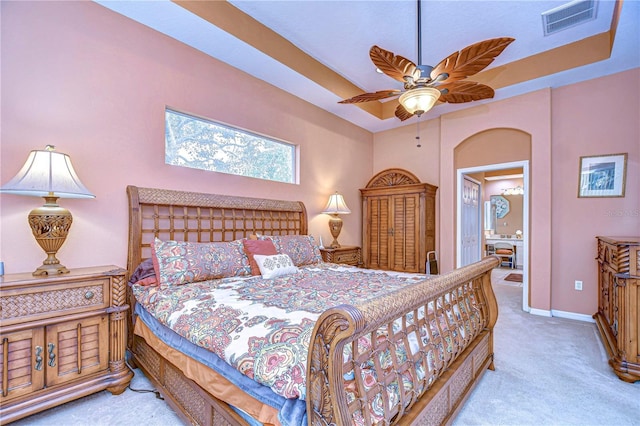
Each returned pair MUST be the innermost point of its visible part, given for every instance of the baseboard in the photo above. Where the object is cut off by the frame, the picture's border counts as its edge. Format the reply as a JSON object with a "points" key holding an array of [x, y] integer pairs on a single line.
{"points": [[572, 315], [540, 312], [562, 314]]}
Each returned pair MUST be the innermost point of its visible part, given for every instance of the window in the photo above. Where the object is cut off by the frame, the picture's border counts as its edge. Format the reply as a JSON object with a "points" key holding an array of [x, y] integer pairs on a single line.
{"points": [[203, 144]]}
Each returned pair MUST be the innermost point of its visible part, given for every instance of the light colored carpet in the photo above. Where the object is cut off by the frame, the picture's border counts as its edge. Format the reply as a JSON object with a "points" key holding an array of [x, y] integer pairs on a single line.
{"points": [[549, 371]]}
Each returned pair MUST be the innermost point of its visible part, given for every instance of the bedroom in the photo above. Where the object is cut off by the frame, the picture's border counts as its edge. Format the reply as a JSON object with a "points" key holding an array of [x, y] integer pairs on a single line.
{"points": [[96, 84]]}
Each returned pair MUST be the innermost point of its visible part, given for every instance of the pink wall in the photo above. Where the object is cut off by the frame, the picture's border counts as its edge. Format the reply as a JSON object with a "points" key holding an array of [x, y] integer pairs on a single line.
{"points": [[95, 84], [564, 124], [598, 117]]}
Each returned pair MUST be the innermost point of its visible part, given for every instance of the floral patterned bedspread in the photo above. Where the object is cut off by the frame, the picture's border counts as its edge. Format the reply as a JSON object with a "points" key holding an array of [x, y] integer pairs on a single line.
{"points": [[262, 327]]}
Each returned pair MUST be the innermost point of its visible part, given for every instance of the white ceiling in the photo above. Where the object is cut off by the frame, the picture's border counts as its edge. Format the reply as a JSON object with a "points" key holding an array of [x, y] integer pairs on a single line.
{"points": [[339, 35]]}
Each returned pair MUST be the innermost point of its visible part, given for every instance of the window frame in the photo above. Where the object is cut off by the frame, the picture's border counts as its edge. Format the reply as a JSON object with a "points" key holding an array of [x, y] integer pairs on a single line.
{"points": [[294, 148]]}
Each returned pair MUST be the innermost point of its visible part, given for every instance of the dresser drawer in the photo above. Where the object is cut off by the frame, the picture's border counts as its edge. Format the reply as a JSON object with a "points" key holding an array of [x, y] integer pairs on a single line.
{"points": [[346, 255], [350, 257], [36, 302]]}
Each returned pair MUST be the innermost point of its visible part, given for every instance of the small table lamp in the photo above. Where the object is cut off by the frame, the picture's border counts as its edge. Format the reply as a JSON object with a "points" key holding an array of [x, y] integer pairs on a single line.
{"points": [[336, 206], [48, 174]]}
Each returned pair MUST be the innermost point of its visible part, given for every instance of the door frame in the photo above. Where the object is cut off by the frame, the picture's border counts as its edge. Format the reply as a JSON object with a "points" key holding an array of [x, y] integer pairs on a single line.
{"points": [[525, 217]]}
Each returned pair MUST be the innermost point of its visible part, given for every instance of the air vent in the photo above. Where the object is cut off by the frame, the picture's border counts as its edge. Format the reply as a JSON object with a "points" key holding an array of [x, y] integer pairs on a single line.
{"points": [[568, 15]]}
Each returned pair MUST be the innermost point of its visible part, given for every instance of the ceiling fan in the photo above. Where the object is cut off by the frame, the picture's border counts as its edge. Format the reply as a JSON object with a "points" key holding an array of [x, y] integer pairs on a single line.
{"points": [[424, 85]]}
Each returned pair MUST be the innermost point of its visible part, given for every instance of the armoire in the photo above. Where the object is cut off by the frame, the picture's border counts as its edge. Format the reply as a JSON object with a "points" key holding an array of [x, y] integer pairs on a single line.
{"points": [[398, 221]]}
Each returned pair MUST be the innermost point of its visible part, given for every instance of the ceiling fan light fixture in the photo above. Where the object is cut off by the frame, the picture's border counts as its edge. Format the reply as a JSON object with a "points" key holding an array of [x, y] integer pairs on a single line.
{"points": [[419, 100]]}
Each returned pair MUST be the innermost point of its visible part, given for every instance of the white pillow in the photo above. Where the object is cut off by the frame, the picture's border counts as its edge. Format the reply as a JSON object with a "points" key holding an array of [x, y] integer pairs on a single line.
{"points": [[275, 265]]}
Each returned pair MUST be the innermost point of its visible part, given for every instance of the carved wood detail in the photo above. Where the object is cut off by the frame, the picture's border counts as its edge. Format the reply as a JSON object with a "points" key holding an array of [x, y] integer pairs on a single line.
{"points": [[392, 177], [344, 326], [618, 316]]}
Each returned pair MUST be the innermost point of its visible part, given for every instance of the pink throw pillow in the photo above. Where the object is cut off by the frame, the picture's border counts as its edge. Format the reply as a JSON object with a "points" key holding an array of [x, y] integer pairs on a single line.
{"points": [[261, 247]]}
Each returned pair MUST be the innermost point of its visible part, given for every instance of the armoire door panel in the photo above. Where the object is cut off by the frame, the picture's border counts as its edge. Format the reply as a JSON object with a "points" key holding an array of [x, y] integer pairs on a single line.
{"points": [[405, 239], [378, 249]]}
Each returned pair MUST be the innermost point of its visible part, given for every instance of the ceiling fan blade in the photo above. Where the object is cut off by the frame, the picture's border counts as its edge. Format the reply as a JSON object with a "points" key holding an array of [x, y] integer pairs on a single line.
{"points": [[472, 59], [402, 113], [395, 66], [464, 91], [368, 97]]}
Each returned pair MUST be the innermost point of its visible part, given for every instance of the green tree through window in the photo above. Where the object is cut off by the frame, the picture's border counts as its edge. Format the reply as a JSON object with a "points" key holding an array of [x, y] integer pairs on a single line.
{"points": [[202, 144]]}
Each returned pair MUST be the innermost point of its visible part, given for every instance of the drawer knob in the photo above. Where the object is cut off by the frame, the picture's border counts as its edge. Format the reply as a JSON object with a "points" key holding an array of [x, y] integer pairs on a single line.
{"points": [[88, 295]]}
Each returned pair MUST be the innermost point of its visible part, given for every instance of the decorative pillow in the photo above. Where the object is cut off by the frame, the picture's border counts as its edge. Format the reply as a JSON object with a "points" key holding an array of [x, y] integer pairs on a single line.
{"points": [[275, 265], [253, 247], [302, 249], [181, 262], [145, 272]]}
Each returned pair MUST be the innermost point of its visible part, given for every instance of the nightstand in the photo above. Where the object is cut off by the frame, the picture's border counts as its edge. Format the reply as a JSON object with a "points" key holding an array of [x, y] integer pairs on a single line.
{"points": [[347, 255], [62, 337]]}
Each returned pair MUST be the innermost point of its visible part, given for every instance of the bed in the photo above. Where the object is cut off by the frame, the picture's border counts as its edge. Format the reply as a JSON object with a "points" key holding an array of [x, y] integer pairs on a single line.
{"points": [[406, 349]]}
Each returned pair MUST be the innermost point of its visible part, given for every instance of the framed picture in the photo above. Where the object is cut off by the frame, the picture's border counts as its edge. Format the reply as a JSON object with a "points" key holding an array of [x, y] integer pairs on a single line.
{"points": [[602, 175]]}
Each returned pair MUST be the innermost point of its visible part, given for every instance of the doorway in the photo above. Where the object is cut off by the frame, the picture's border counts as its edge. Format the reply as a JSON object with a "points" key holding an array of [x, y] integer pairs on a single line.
{"points": [[462, 217], [471, 236]]}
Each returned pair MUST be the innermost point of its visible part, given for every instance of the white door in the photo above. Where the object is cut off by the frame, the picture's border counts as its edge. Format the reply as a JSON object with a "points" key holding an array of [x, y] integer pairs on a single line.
{"points": [[470, 202]]}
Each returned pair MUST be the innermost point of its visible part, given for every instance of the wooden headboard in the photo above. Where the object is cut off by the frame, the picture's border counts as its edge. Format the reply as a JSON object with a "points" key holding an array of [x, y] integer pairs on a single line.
{"points": [[198, 217]]}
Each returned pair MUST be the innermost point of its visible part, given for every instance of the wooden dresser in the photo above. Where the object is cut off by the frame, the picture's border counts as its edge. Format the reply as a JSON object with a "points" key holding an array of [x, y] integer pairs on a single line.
{"points": [[618, 316], [63, 337], [398, 221]]}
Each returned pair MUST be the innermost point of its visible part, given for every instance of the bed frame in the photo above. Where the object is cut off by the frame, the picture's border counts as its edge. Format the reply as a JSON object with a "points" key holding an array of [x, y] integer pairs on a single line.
{"points": [[189, 216]]}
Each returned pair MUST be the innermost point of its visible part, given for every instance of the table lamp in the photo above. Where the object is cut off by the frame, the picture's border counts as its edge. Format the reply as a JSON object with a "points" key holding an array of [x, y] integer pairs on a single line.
{"points": [[336, 206], [48, 174]]}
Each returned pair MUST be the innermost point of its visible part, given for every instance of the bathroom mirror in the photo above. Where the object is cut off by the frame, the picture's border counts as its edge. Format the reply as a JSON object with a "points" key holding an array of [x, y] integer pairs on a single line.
{"points": [[501, 204]]}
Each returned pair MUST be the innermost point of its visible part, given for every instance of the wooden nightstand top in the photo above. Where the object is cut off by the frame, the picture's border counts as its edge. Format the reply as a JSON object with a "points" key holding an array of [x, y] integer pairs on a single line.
{"points": [[26, 278]]}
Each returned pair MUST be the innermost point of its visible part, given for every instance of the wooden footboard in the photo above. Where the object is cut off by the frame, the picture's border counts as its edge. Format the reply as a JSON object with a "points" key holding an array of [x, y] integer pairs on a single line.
{"points": [[439, 332]]}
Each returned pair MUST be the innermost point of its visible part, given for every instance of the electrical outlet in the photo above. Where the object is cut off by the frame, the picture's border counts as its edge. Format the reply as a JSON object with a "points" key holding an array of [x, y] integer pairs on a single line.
{"points": [[578, 285]]}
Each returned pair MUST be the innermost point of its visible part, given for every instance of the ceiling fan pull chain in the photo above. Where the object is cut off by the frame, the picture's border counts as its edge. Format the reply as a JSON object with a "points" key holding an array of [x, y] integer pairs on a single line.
{"points": [[418, 133], [419, 35]]}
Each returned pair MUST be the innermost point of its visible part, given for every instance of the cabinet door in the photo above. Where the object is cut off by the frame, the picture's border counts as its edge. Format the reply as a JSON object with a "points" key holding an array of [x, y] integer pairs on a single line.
{"points": [[76, 349], [405, 250], [22, 367], [379, 233]]}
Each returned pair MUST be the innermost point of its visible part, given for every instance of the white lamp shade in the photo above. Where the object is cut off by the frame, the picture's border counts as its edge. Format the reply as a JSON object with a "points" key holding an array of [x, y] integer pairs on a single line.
{"points": [[419, 100], [47, 172], [336, 205]]}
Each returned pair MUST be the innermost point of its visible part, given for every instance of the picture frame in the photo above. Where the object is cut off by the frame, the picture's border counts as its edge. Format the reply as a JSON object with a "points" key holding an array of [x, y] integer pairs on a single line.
{"points": [[602, 176]]}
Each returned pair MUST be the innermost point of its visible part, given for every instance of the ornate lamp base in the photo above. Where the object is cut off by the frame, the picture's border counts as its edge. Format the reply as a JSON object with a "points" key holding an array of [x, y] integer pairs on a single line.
{"points": [[50, 225], [335, 226]]}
